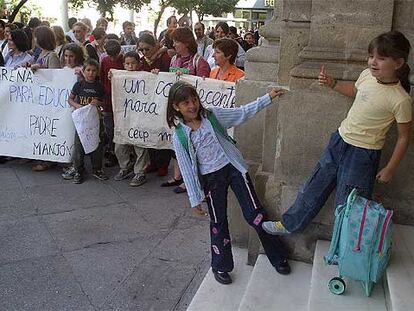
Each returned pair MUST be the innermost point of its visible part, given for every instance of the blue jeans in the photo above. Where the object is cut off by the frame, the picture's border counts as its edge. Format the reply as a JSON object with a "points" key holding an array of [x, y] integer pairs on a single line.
{"points": [[216, 186], [342, 166]]}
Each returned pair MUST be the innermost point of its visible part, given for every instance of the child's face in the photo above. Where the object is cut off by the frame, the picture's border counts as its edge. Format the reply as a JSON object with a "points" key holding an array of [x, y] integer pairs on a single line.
{"points": [[69, 58], [90, 73], [189, 108], [131, 64], [382, 67]]}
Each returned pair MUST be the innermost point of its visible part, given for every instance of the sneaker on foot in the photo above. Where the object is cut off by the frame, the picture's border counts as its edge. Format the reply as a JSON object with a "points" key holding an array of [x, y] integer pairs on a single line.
{"points": [[138, 180], [123, 174], [99, 175], [69, 173], [78, 178], [274, 227]]}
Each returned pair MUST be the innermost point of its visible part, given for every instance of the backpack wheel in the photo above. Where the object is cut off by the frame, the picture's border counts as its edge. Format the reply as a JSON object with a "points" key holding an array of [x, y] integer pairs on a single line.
{"points": [[337, 286]]}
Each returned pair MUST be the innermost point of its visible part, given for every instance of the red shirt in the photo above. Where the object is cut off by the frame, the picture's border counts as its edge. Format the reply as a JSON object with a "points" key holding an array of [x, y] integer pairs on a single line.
{"points": [[162, 63], [107, 64]]}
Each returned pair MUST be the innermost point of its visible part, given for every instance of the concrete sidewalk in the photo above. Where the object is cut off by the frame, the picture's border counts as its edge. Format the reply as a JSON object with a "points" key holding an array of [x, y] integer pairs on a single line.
{"points": [[96, 246]]}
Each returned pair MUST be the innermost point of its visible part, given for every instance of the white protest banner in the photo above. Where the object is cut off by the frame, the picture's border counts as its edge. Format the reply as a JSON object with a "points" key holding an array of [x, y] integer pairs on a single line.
{"points": [[86, 120], [139, 101], [128, 48], [35, 116]]}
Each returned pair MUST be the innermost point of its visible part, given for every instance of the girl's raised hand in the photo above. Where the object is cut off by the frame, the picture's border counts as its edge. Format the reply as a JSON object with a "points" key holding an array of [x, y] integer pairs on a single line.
{"points": [[110, 74], [324, 78], [276, 92]]}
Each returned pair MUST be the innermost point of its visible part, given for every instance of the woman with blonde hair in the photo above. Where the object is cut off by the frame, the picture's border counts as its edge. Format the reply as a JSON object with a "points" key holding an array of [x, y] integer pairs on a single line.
{"points": [[60, 40]]}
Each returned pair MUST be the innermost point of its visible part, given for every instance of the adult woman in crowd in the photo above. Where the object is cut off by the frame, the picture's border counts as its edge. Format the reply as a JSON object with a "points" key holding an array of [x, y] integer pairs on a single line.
{"points": [[48, 59], [154, 58], [102, 23], [18, 46], [225, 53], [8, 28], [60, 40], [95, 49], [45, 39], [186, 61]]}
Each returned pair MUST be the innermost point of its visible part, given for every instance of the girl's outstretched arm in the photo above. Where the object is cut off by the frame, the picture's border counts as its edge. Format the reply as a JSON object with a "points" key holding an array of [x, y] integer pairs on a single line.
{"points": [[345, 88], [229, 117], [404, 136]]}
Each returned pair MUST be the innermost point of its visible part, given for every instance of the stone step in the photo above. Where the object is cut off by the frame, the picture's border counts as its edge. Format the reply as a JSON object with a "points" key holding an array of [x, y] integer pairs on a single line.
{"points": [[400, 272], [212, 295], [269, 290], [320, 298]]}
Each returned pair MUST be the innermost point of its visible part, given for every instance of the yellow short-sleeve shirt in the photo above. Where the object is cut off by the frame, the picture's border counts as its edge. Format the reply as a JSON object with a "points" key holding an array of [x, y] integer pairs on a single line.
{"points": [[375, 108]]}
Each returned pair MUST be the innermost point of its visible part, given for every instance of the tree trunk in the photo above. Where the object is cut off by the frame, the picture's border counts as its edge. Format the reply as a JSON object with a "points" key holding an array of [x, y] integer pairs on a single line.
{"points": [[158, 19], [16, 10]]}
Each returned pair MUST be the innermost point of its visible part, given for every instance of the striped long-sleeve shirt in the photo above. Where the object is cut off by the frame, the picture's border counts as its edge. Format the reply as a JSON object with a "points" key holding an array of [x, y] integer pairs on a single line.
{"points": [[228, 118]]}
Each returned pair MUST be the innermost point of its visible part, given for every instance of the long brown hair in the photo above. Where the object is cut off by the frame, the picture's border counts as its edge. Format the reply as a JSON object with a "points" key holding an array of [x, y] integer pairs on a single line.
{"points": [[186, 36], [394, 44], [181, 91]]}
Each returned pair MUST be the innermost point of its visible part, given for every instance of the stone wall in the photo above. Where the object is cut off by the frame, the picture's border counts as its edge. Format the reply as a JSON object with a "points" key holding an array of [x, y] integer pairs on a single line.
{"points": [[286, 140]]}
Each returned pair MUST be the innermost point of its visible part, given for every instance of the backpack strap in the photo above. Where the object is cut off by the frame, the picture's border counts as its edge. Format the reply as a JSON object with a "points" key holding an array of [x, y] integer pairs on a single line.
{"points": [[179, 130], [218, 127]]}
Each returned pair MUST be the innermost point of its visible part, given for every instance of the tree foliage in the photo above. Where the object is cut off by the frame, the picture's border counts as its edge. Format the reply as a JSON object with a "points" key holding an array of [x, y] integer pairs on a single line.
{"points": [[205, 7], [106, 7], [15, 7]]}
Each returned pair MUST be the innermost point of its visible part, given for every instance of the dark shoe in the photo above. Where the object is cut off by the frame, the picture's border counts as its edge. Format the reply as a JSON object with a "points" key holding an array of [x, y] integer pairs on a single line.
{"points": [[69, 173], [78, 178], [123, 174], [138, 180], [283, 267], [222, 277], [100, 175], [176, 182], [179, 189]]}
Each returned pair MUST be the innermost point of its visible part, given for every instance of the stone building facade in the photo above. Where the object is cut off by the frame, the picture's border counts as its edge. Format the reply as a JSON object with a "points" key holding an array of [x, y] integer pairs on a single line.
{"points": [[284, 142]]}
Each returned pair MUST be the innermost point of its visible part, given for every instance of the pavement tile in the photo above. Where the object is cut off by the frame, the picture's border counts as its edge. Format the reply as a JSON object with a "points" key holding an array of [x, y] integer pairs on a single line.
{"points": [[156, 285], [100, 269], [28, 178], [84, 227], [14, 204], [8, 179], [26, 238], [175, 248], [68, 196], [41, 284]]}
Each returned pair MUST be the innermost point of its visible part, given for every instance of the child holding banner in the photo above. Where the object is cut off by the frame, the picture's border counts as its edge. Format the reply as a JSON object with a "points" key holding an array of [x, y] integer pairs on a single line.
{"points": [[88, 92], [209, 159], [123, 151]]}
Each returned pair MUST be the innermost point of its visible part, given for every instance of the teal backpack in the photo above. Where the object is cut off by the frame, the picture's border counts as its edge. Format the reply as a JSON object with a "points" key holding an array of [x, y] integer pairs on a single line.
{"points": [[217, 127], [361, 242]]}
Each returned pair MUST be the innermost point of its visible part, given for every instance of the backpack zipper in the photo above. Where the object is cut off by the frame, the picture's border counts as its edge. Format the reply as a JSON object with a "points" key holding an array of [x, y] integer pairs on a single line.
{"points": [[357, 248], [384, 229]]}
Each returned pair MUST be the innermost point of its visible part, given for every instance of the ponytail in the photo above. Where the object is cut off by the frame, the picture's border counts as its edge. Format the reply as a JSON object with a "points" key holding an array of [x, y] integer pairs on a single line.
{"points": [[403, 75]]}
